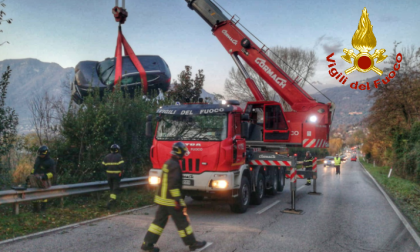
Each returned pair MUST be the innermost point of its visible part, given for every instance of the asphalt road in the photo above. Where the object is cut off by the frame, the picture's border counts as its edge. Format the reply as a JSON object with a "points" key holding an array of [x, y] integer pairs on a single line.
{"points": [[351, 214]]}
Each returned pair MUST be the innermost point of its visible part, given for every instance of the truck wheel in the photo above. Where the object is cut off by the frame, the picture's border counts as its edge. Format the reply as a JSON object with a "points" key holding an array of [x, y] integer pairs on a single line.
{"points": [[274, 188], [257, 196], [197, 198], [242, 202], [282, 179]]}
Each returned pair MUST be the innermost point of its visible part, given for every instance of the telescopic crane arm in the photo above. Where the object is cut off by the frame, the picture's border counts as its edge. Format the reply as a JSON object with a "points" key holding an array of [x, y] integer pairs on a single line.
{"points": [[237, 43]]}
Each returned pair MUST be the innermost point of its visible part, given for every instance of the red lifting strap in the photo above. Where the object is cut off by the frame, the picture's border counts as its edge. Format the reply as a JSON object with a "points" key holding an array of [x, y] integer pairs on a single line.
{"points": [[127, 51]]}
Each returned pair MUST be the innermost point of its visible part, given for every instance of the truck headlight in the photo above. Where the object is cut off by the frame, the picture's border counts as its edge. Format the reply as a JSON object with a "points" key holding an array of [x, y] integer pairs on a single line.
{"points": [[219, 184], [325, 161], [154, 180], [313, 119]]}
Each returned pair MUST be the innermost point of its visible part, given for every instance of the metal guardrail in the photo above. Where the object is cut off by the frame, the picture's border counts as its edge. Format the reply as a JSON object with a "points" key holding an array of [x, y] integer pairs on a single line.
{"points": [[15, 196]]}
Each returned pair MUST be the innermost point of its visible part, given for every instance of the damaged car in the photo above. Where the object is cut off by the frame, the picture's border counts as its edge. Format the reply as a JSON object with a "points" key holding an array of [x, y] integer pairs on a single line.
{"points": [[90, 75]]}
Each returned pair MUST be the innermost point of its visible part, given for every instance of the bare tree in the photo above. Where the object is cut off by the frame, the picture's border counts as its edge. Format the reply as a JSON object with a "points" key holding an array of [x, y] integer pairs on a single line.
{"points": [[297, 63], [2, 19], [46, 113]]}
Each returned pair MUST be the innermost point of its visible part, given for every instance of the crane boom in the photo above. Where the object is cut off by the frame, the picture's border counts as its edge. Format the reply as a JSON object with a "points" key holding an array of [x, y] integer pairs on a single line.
{"points": [[238, 43], [308, 117]]}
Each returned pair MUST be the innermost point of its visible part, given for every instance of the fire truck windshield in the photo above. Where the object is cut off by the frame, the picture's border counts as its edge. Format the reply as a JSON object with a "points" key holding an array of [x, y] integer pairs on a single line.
{"points": [[211, 127]]}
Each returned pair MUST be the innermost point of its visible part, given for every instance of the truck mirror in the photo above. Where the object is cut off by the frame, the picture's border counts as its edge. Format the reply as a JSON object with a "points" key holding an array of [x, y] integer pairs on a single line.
{"points": [[244, 130], [149, 126]]}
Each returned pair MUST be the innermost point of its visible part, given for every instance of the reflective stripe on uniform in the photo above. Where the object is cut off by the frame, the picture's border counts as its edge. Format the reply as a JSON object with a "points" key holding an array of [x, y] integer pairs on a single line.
{"points": [[182, 233], [175, 192], [164, 182], [49, 175], [113, 171], [113, 196], [167, 202], [189, 230], [106, 164], [155, 229]]}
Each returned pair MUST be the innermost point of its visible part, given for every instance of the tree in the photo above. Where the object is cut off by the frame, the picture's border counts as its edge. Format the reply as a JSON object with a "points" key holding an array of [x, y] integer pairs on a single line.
{"points": [[187, 88], [2, 14], [8, 118], [295, 62], [46, 114], [335, 146], [394, 120]]}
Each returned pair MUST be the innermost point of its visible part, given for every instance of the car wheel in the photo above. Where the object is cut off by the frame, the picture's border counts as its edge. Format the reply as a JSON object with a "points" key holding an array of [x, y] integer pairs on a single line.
{"points": [[242, 202]]}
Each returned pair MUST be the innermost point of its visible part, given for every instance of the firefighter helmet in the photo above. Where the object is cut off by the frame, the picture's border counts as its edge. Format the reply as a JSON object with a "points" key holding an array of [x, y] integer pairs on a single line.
{"points": [[43, 150], [180, 150], [115, 148]]}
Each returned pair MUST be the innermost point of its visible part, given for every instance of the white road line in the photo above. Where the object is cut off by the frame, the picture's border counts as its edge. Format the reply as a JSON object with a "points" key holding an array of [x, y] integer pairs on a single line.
{"points": [[270, 206], [300, 187], [397, 211]]}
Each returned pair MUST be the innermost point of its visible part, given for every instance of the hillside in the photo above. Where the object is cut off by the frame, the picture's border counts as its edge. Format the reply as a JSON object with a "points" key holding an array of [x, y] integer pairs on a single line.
{"points": [[352, 106], [32, 77]]}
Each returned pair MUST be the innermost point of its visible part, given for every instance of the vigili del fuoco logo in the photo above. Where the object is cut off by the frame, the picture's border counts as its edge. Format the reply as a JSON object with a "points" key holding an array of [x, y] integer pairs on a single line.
{"points": [[364, 41]]}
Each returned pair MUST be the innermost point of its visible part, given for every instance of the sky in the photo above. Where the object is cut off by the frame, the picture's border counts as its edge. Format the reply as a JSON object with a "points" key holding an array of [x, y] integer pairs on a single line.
{"points": [[67, 32]]}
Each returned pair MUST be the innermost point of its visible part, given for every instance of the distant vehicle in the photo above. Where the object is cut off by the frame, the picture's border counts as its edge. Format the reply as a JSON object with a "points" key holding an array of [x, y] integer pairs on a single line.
{"points": [[329, 161], [343, 158], [95, 74], [354, 158]]}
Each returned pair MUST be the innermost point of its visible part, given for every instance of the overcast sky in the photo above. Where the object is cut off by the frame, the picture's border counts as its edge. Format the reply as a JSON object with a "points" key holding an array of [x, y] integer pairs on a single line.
{"points": [[66, 32]]}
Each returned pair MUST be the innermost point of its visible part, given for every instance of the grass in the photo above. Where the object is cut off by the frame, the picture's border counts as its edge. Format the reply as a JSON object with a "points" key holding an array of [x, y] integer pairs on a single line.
{"points": [[76, 208], [405, 193]]}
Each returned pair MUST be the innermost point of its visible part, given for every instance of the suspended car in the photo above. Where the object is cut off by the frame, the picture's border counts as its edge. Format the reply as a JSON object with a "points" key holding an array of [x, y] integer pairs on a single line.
{"points": [[93, 74]]}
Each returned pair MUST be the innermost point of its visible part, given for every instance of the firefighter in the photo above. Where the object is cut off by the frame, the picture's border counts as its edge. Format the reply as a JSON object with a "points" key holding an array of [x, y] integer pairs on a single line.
{"points": [[41, 175], [170, 203], [114, 165], [307, 164], [337, 162]]}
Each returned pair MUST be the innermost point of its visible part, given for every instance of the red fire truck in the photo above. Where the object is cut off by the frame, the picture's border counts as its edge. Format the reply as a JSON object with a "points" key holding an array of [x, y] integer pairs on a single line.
{"points": [[234, 152]]}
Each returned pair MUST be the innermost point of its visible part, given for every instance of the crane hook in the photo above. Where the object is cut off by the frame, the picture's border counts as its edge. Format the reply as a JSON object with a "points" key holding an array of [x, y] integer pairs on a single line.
{"points": [[120, 13]]}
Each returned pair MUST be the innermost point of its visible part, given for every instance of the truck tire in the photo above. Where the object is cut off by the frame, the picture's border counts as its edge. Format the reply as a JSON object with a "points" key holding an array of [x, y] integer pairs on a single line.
{"points": [[282, 179], [197, 198], [242, 202], [258, 195], [275, 186]]}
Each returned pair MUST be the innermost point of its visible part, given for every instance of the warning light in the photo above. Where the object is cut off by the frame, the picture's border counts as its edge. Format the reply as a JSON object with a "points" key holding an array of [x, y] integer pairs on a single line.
{"points": [[295, 155]]}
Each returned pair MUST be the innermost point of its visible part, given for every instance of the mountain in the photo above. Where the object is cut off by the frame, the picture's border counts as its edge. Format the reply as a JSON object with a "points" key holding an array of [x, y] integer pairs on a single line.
{"points": [[351, 106], [31, 77]]}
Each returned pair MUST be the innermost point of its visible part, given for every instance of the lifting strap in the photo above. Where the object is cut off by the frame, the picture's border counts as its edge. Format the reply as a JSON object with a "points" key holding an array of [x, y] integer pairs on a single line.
{"points": [[120, 15]]}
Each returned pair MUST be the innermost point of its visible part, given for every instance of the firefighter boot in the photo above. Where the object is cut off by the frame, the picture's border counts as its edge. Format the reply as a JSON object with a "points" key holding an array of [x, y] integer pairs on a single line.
{"points": [[198, 246], [35, 207], [43, 206], [308, 182], [149, 247]]}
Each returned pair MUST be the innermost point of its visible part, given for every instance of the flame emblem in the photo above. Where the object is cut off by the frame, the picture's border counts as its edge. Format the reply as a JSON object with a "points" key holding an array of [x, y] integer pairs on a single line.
{"points": [[364, 40]]}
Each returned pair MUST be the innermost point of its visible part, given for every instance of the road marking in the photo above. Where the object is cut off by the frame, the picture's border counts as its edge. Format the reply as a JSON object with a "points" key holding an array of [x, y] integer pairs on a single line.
{"points": [[397, 211], [300, 187], [270, 206]]}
